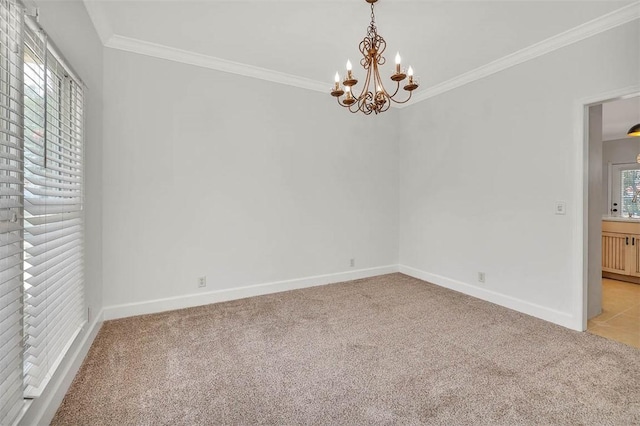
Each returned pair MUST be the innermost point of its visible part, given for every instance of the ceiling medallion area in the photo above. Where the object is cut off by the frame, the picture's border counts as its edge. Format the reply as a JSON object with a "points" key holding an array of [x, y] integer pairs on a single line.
{"points": [[374, 97]]}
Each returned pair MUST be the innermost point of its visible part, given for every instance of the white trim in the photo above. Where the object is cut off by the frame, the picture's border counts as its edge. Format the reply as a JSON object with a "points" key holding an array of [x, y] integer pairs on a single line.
{"points": [[581, 187], [186, 57], [557, 317], [31, 392], [199, 299], [588, 29], [41, 410]]}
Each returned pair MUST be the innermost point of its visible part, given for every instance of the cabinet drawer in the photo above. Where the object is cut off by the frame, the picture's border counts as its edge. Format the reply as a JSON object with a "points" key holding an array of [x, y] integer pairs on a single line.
{"points": [[621, 227]]}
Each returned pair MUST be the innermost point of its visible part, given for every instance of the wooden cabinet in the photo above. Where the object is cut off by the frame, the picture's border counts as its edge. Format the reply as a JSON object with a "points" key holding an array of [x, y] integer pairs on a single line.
{"points": [[634, 254], [621, 250], [615, 253]]}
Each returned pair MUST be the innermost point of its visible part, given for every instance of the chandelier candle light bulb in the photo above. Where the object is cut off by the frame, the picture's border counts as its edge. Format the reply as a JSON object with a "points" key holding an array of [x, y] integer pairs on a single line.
{"points": [[348, 100], [349, 80], [373, 97], [337, 91], [411, 85]]}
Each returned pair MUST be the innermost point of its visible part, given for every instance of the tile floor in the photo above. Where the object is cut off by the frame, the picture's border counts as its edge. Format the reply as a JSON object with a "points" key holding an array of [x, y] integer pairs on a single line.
{"points": [[620, 317]]}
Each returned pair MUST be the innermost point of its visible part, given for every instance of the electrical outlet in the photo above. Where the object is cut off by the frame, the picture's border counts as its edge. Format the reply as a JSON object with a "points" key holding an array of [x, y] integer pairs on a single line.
{"points": [[561, 207], [481, 277], [89, 314], [202, 282], [352, 263]]}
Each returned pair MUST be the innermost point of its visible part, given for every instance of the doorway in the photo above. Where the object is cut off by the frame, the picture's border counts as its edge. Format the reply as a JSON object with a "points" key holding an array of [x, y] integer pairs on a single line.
{"points": [[612, 220]]}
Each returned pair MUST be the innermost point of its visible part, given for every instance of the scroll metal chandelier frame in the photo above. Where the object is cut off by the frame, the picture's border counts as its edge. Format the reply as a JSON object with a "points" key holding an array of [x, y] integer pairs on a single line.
{"points": [[376, 99]]}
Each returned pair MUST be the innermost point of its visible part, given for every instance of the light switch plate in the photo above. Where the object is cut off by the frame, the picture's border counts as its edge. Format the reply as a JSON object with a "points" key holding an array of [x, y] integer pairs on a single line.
{"points": [[561, 207]]}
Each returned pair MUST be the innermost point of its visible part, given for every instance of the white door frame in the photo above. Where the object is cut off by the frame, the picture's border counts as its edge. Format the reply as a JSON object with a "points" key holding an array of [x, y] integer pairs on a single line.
{"points": [[581, 232]]}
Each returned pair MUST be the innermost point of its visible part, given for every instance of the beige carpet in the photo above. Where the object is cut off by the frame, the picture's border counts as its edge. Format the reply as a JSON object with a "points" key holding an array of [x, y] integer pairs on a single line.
{"points": [[384, 350]]}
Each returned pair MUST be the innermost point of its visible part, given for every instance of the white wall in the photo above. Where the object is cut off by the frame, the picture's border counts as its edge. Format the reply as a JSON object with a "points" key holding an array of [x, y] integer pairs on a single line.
{"points": [[69, 27], [240, 180], [482, 166], [616, 151]]}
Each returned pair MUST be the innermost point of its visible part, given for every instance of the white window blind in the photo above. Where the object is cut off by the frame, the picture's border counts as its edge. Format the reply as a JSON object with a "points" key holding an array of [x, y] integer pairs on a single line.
{"points": [[53, 211], [11, 342]]}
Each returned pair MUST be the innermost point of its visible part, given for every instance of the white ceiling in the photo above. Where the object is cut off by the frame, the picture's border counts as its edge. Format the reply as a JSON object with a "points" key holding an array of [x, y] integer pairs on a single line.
{"points": [[312, 39], [618, 117]]}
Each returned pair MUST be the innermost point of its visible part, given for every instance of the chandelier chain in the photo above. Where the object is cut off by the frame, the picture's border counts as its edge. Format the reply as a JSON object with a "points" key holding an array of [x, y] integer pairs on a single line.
{"points": [[372, 31]]}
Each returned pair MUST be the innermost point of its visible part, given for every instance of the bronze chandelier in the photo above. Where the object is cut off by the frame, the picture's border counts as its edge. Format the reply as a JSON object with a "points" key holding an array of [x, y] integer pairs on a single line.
{"points": [[379, 99]]}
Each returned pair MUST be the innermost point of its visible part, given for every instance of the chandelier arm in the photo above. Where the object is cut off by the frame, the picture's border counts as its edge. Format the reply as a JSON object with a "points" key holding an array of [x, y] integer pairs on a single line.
{"points": [[378, 81], [385, 107], [396, 92], [379, 84], [366, 111], [347, 106], [340, 103], [365, 88], [406, 100], [362, 101], [363, 93], [392, 97], [365, 102]]}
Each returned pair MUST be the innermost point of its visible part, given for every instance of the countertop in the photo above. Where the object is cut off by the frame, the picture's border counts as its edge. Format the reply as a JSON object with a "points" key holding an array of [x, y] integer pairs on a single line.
{"points": [[620, 219]]}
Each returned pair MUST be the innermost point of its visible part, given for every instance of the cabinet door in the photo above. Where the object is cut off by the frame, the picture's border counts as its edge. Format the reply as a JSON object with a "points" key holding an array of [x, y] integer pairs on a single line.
{"points": [[615, 256], [634, 258]]}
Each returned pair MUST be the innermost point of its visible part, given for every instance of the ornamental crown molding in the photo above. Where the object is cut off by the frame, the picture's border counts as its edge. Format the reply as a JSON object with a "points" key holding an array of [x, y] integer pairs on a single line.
{"points": [[596, 26], [197, 59], [581, 32]]}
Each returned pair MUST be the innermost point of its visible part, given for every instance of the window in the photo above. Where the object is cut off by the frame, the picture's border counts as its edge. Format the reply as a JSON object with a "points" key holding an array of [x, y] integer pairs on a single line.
{"points": [[41, 209], [630, 192], [53, 216], [624, 189]]}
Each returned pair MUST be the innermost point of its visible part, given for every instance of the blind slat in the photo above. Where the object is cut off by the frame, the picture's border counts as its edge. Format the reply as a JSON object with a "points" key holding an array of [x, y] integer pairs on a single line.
{"points": [[49, 220], [50, 231]]}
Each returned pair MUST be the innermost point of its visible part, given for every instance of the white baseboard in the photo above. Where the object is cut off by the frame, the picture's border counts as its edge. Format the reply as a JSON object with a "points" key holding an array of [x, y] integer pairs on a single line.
{"points": [[40, 411], [557, 317], [199, 299]]}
